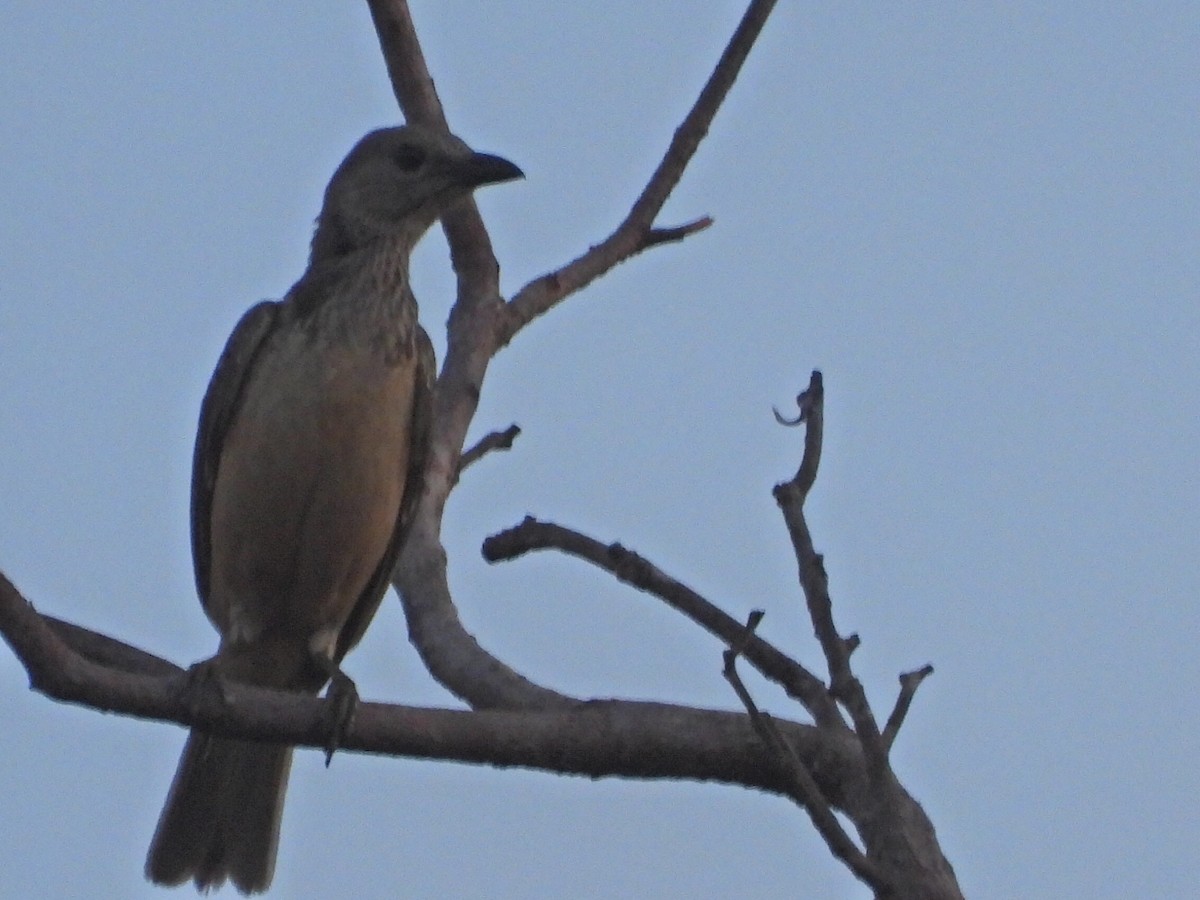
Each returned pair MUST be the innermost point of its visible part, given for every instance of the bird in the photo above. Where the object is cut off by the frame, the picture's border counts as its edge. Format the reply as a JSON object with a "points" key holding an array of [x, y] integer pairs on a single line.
{"points": [[306, 471]]}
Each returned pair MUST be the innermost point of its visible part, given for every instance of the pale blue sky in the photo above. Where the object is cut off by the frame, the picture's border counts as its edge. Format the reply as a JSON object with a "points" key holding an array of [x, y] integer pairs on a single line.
{"points": [[981, 222]]}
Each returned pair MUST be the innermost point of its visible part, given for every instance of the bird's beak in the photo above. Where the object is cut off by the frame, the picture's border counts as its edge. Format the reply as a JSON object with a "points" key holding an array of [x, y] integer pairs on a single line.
{"points": [[484, 168]]}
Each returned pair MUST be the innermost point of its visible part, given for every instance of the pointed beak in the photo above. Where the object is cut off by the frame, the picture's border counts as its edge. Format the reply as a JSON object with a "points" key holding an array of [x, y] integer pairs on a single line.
{"points": [[484, 168]]}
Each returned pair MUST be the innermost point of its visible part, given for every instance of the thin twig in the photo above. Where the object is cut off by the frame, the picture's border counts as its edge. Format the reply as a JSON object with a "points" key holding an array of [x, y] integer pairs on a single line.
{"points": [[494, 440], [805, 790], [909, 682], [635, 570], [656, 236], [108, 651], [811, 405]]}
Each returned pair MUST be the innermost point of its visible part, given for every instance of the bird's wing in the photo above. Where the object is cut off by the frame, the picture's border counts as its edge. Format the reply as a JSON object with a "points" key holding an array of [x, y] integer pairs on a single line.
{"points": [[221, 401], [418, 454]]}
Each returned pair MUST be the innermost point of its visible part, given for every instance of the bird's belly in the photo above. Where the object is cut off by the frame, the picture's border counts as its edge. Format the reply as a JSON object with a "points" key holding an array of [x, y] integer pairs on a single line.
{"points": [[307, 494]]}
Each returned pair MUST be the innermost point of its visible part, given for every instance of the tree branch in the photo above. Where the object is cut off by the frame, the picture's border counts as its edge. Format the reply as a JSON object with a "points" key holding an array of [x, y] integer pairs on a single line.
{"points": [[470, 246], [815, 583], [469, 347], [811, 405], [909, 682], [597, 738], [450, 653], [524, 724], [632, 235], [805, 789], [890, 836], [494, 440], [629, 567], [479, 324], [656, 236]]}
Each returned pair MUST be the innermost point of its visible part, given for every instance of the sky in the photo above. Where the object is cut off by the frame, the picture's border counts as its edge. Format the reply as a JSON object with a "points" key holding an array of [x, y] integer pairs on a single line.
{"points": [[980, 221]]}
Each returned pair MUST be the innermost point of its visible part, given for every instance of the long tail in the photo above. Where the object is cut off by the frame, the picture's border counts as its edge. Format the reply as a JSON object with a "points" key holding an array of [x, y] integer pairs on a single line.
{"points": [[221, 818]]}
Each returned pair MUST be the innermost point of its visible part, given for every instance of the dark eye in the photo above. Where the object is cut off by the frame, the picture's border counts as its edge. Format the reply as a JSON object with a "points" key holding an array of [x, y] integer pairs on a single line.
{"points": [[409, 158]]}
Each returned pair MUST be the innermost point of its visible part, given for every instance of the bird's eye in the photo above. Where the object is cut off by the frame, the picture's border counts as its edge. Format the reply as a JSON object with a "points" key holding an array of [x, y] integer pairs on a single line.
{"points": [[409, 158]]}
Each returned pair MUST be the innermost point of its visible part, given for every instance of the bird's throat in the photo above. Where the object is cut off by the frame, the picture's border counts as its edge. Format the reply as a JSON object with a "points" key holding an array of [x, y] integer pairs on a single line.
{"points": [[360, 299]]}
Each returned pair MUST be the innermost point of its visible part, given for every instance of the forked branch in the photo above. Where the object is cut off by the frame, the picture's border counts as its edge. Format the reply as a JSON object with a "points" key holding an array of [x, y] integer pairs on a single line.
{"points": [[635, 233], [635, 570], [804, 787]]}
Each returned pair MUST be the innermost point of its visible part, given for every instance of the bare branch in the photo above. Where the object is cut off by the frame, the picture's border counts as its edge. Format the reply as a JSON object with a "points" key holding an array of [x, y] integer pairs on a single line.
{"points": [[469, 345], [811, 404], [470, 246], [524, 724], [883, 833], [634, 570], [804, 788], [451, 655], [411, 81], [815, 583], [597, 738], [495, 440], [909, 682], [656, 236], [631, 236]]}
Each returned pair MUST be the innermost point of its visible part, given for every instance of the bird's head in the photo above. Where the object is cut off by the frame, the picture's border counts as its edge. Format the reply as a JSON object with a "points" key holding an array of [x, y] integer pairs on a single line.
{"points": [[395, 183]]}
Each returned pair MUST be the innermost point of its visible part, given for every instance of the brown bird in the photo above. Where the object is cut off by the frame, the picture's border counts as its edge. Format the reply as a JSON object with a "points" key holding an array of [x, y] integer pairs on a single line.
{"points": [[306, 471]]}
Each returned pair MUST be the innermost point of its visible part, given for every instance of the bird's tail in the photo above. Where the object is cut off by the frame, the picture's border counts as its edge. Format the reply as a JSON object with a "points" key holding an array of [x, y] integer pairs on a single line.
{"points": [[221, 819]]}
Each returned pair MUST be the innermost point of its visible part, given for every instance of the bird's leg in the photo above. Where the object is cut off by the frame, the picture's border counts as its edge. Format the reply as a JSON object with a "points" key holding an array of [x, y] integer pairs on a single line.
{"points": [[342, 700]]}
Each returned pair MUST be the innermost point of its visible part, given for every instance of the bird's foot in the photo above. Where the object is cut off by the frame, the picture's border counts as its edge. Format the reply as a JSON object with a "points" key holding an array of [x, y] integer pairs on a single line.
{"points": [[341, 699], [200, 682]]}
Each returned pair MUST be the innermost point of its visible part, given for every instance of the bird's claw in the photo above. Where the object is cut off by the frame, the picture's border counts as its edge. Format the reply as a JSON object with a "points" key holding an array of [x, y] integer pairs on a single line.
{"points": [[342, 702]]}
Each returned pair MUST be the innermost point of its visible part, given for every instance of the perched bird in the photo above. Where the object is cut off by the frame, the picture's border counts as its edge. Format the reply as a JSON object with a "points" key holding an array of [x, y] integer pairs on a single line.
{"points": [[306, 472]]}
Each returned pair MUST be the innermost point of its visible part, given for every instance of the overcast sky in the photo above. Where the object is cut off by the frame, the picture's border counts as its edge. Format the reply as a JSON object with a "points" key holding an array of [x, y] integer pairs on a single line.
{"points": [[982, 222]]}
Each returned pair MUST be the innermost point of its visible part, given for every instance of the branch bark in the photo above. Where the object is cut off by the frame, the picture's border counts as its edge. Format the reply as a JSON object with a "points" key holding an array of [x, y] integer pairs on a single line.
{"points": [[599, 738]]}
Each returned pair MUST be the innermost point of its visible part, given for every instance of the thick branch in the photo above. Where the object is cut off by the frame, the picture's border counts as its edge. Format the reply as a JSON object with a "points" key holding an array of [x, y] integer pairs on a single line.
{"points": [[634, 570], [474, 262], [451, 654], [470, 246], [411, 81], [597, 738], [469, 345]]}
